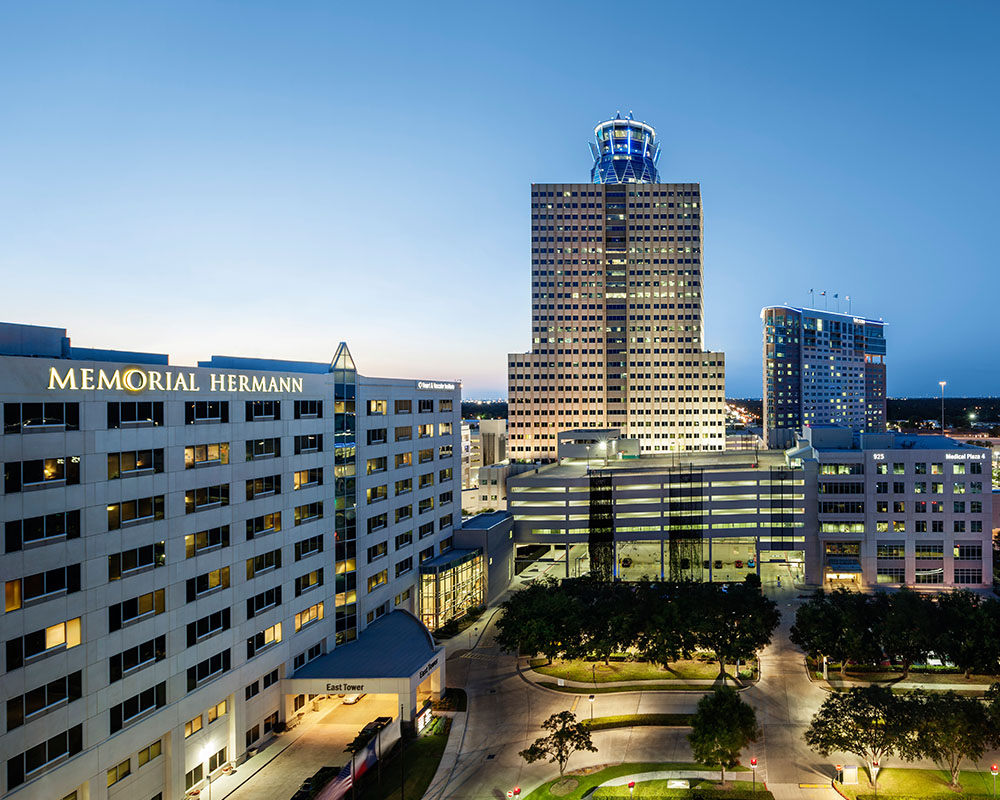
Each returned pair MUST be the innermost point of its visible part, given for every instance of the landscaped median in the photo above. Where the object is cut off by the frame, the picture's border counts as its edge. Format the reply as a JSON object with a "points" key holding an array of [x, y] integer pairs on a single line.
{"points": [[623, 674], [919, 784], [638, 720], [590, 783]]}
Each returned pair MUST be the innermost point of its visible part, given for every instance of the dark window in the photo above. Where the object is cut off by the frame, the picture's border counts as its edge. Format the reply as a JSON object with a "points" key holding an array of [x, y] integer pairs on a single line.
{"points": [[50, 528], [146, 557], [263, 410], [208, 669], [135, 414], [306, 409], [207, 497], [137, 705], [62, 745], [44, 698], [27, 417], [263, 601], [311, 443], [136, 657], [206, 411], [207, 626]]}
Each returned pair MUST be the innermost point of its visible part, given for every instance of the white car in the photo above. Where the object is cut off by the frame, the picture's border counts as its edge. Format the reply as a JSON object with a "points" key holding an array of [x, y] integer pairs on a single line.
{"points": [[351, 699]]}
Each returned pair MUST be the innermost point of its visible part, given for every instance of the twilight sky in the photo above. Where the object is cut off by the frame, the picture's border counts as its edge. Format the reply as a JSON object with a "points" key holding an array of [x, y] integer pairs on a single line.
{"points": [[268, 178]]}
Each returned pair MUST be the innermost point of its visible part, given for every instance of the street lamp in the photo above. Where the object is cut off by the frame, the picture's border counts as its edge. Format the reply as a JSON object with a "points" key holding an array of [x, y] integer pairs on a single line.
{"points": [[994, 769], [588, 458], [631, 788], [591, 699], [875, 777], [942, 384], [753, 766]]}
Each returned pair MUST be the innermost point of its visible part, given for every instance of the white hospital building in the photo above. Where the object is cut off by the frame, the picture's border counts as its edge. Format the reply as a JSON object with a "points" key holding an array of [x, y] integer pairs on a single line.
{"points": [[192, 554]]}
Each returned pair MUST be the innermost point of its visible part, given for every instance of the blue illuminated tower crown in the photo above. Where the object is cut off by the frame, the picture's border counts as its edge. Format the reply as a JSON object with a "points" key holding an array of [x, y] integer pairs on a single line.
{"points": [[626, 152]]}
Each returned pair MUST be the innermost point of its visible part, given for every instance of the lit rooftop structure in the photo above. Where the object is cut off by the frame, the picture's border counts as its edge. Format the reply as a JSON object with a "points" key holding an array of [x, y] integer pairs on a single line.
{"points": [[625, 152]]}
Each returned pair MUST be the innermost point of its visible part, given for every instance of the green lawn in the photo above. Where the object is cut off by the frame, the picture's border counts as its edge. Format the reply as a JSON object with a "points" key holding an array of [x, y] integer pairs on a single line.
{"points": [[735, 790], [422, 756], [632, 720], [635, 687], [589, 671], [925, 784], [589, 781]]}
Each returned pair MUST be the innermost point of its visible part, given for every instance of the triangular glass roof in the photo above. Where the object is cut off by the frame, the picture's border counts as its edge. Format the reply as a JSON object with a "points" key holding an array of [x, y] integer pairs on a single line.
{"points": [[342, 359]]}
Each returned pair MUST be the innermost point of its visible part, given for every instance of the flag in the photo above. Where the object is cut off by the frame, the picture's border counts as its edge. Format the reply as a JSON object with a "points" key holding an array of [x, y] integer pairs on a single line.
{"points": [[835, 297], [822, 294]]}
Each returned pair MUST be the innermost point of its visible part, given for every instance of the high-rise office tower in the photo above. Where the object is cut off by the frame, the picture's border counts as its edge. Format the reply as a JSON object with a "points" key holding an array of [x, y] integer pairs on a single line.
{"points": [[821, 367], [617, 309]]}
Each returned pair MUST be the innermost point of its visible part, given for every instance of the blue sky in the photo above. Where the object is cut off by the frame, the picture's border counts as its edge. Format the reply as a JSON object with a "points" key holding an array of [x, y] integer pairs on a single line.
{"points": [[268, 178]]}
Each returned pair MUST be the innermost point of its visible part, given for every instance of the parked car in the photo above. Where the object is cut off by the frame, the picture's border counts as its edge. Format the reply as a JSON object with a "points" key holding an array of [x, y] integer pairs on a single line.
{"points": [[351, 699]]}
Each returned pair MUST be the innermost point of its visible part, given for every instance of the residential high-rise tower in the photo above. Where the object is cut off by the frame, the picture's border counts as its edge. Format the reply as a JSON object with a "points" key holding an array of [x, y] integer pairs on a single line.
{"points": [[821, 367], [617, 309]]}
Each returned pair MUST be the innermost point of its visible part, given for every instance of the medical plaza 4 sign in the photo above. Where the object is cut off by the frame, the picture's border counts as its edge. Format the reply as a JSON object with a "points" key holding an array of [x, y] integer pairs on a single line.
{"points": [[136, 379]]}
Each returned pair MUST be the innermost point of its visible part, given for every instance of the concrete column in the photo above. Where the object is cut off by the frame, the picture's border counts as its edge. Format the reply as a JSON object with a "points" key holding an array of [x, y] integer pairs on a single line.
{"points": [[437, 681], [173, 770]]}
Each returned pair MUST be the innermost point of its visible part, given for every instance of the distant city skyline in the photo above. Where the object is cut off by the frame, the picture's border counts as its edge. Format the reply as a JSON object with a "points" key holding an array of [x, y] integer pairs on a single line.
{"points": [[273, 180]]}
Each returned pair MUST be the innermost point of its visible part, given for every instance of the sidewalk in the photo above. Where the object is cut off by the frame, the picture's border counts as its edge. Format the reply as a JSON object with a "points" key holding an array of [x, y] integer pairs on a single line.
{"points": [[449, 759]]}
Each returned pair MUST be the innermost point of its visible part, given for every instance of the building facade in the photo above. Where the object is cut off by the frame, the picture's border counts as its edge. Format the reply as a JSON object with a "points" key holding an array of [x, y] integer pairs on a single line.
{"points": [[861, 510], [617, 309], [900, 509], [821, 367], [180, 542], [712, 517]]}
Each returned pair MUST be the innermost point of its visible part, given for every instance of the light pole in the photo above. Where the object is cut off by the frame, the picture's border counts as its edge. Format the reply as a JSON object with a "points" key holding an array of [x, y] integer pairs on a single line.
{"points": [[591, 699], [875, 777], [753, 767], [631, 788], [994, 769], [588, 458], [942, 384]]}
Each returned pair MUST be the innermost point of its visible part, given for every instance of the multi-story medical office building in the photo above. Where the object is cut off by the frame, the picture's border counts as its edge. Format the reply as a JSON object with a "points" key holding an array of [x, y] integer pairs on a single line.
{"points": [[189, 550], [617, 309], [897, 509], [838, 509], [821, 368]]}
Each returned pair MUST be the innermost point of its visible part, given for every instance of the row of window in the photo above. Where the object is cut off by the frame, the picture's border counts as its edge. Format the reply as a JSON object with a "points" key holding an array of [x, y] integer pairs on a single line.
{"points": [[378, 408]]}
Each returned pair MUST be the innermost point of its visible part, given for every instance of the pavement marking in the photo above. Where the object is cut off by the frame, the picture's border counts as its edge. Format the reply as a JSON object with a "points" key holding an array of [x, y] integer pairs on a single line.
{"points": [[812, 785], [576, 700]]}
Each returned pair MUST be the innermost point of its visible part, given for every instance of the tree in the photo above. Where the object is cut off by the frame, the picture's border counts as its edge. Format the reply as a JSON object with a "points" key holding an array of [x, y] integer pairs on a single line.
{"points": [[721, 727], [909, 626], [608, 616], [966, 631], [665, 634], [567, 737], [735, 621], [950, 729], [868, 721], [541, 618], [842, 625]]}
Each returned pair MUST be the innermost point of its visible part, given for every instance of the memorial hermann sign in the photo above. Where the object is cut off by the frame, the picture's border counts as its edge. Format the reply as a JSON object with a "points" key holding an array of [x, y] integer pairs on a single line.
{"points": [[136, 379]]}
